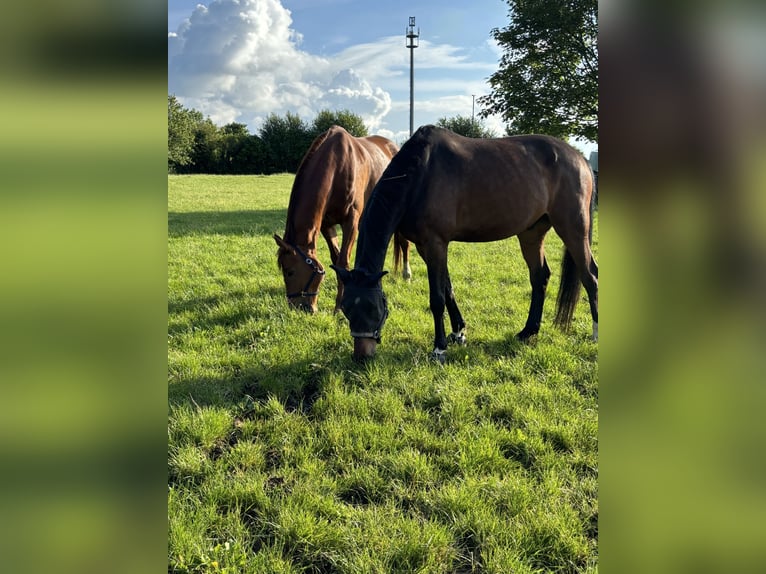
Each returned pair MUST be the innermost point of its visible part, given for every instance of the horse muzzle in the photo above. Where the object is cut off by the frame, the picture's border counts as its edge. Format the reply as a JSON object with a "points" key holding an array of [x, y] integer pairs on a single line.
{"points": [[309, 307], [364, 348]]}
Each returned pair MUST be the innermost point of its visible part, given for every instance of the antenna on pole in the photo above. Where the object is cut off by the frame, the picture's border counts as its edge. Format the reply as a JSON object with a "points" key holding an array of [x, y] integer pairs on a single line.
{"points": [[412, 43]]}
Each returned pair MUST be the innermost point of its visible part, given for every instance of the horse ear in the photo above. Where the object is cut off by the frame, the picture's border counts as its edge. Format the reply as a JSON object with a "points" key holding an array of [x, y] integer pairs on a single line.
{"points": [[371, 280], [343, 274], [282, 244]]}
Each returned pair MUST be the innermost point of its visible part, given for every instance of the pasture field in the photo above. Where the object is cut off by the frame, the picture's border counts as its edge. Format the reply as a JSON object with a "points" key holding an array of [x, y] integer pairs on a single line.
{"points": [[285, 456]]}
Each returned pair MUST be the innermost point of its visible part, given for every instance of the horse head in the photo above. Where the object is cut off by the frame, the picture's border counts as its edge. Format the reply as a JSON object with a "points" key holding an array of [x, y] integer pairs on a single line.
{"points": [[364, 305], [302, 274]]}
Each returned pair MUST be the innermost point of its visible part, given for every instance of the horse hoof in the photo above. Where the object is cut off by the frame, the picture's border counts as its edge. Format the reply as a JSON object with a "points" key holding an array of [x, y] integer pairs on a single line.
{"points": [[438, 355], [525, 335], [458, 338]]}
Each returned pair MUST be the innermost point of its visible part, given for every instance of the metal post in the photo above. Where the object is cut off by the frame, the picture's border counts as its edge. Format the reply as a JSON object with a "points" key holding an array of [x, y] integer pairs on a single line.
{"points": [[412, 90], [412, 43]]}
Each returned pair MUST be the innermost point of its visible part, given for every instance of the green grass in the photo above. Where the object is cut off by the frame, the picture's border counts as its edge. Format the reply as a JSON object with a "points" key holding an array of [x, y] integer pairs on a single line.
{"points": [[286, 456]]}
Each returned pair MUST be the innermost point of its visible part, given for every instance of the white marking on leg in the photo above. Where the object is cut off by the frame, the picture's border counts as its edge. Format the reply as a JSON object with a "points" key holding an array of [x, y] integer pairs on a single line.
{"points": [[438, 355], [595, 331], [407, 271], [458, 338]]}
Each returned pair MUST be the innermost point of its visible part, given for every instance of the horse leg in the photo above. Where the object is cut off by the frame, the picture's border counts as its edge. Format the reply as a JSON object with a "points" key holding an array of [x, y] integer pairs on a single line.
{"points": [[578, 267], [531, 243], [588, 274], [337, 256], [402, 253], [350, 230], [591, 287], [407, 270], [456, 319], [435, 256], [330, 235]]}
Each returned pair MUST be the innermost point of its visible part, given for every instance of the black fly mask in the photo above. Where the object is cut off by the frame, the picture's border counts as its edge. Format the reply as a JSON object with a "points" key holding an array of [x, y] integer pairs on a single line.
{"points": [[364, 304]]}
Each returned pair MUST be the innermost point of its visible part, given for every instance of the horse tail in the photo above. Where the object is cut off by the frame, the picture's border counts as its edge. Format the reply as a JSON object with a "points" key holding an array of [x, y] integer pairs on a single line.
{"points": [[398, 251], [593, 201], [569, 288], [569, 291]]}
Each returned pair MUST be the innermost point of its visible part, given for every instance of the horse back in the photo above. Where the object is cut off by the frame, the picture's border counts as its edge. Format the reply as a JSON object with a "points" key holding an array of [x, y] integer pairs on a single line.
{"points": [[385, 145], [487, 189], [567, 176], [339, 172]]}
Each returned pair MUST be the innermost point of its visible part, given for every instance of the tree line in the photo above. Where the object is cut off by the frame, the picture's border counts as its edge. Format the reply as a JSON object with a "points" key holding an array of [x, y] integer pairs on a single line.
{"points": [[197, 145]]}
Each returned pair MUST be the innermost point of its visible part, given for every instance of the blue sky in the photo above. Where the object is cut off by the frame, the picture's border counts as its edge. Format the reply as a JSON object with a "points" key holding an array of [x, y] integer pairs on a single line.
{"points": [[240, 60]]}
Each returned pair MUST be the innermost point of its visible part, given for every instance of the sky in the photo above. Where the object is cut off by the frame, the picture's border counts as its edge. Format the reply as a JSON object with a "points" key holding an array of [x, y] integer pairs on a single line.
{"points": [[241, 60]]}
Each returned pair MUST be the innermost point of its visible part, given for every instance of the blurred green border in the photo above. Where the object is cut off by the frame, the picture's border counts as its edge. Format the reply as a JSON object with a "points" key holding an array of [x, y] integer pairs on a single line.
{"points": [[83, 315]]}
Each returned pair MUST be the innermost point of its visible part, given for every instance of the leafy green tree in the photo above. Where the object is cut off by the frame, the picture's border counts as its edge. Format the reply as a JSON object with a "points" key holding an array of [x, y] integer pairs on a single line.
{"points": [[250, 157], [182, 124], [233, 138], [235, 129], [465, 126], [547, 81], [206, 157], [348, 120], [286, 140]]}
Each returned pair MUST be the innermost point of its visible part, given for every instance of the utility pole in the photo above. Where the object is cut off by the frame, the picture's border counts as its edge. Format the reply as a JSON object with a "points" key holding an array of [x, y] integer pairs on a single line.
{"points": [[473, 107], [412, 43]]}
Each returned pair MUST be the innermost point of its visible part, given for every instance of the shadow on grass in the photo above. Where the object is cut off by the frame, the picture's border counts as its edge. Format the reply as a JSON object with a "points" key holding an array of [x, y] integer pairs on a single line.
{"points": [[250, 222], [207, 310], [296, 384], [495, 347], [502, 345]]}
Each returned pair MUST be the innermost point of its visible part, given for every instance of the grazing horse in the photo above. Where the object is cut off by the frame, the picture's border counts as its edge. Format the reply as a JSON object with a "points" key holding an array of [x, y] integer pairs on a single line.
{"points": [[333, 182], [443, 187]]}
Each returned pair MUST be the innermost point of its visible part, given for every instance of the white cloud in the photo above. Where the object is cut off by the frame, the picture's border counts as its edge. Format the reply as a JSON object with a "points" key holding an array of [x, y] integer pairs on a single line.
{"points": [[348, 90], [240, 60], [445, 56], [495, 48], [384, 58]]}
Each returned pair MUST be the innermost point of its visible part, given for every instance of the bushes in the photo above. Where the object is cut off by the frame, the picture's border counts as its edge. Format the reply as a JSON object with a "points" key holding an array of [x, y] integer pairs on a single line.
{"points": [[197, 145]]}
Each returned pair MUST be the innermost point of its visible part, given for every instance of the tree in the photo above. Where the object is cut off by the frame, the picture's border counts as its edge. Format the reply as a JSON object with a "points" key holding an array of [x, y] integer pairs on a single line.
{"points": [[286, 140], [466, 126], [206, 157], [235, 129], [182, 124], [548, 76], [348, 120], [233, 138], [250, 157]]}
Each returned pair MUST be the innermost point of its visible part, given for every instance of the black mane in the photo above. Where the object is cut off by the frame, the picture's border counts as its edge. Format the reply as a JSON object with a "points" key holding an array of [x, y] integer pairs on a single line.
{"points": [[389, 200]]}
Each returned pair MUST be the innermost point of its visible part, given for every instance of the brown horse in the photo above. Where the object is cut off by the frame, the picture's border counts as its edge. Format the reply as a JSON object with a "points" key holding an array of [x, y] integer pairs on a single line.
{"points": [[333, 182], [443, 187]]}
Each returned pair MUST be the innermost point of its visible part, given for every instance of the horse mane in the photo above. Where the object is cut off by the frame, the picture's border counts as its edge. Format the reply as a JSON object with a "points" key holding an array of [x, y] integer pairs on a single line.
{"points": [[300, 176], [390, 198], [412, 156]]}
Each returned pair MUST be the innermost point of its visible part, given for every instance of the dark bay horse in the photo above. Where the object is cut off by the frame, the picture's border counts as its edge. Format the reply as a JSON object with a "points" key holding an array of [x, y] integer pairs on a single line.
{"points": [[443, 187], [333, 182]]}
